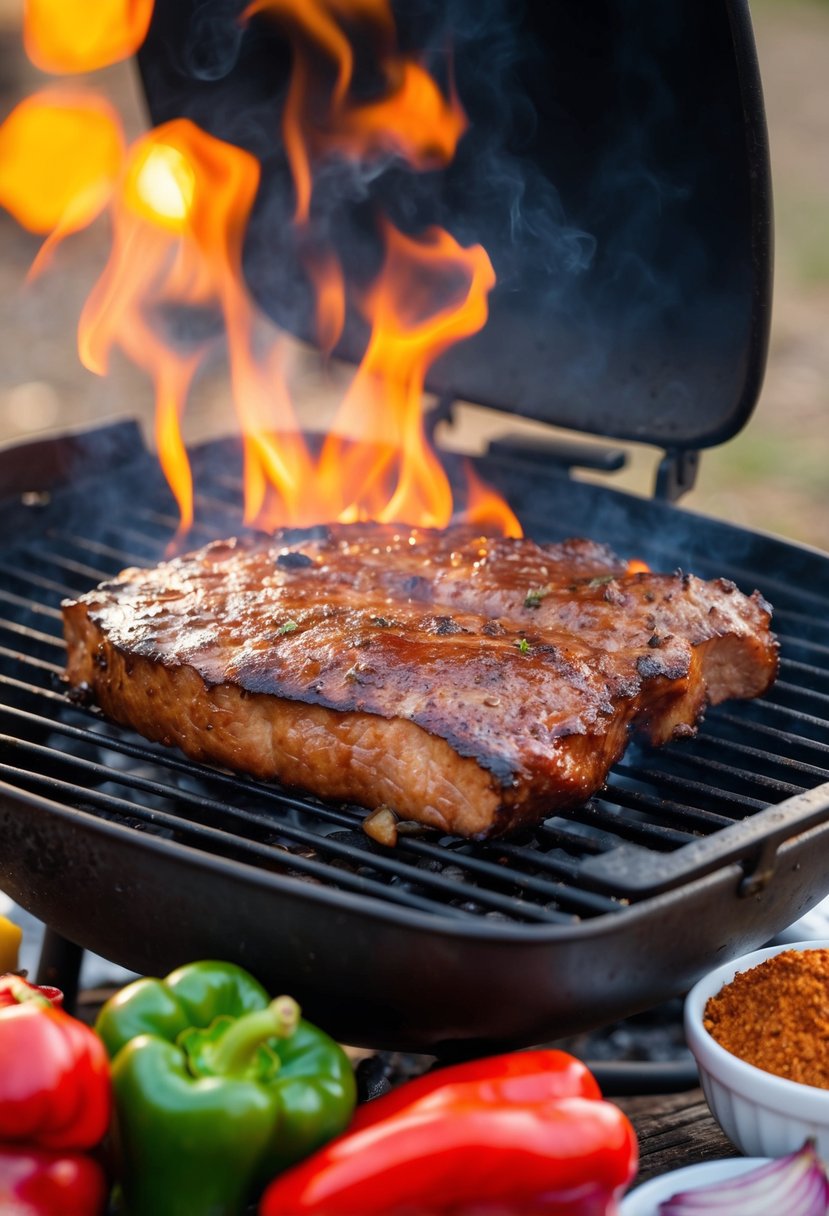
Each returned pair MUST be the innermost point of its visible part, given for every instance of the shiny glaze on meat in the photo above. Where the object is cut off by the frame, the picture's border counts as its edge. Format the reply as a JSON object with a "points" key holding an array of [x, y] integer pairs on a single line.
{"points": [[471, 683]]}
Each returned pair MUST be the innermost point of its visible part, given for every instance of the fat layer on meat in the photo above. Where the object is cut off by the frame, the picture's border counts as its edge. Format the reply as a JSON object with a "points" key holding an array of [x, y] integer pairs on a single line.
{"points": [[475, 684]]}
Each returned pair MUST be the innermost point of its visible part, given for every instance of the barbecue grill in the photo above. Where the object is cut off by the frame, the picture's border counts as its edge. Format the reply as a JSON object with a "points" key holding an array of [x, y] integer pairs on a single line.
{"points": [[693, 852]]}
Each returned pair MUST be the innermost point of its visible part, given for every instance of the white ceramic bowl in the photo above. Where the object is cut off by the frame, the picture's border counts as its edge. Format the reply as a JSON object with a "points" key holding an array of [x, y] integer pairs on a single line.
{"points": [[762, 1114], [645, 1200]]}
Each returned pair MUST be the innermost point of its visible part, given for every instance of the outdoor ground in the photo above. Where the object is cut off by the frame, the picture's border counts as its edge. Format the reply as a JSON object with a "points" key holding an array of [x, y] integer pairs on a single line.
{"points": [[774, 476]]}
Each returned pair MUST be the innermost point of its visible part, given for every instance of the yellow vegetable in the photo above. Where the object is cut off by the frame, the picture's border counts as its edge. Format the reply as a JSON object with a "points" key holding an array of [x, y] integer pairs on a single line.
{"points": [[10, 936]]}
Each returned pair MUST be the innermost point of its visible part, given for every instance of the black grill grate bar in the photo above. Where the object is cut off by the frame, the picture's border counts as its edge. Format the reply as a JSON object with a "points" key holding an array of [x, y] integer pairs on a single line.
{"points": [[18, 601], [679, 812], [590, 901], [591, 888], [118, 536], [472, 865], [785, 740], [801, 620], [53, 597], [33, 636], [54, 669], [119, 557], [707, 793], [558, 838], [227, 844], [167, 525], [30, 579], [198, 804], [732, 746], [89, 575], [81, 569], [32, 689], [215, 519], [811, 694], [572, 897], [807, 670], [653, 835], [562, 872], [790, 714], [492, 871], [798, 642], [745, 778], [772, 788]]}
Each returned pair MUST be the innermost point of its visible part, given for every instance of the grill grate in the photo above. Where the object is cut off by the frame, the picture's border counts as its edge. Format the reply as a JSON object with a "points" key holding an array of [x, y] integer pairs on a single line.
{"points": [[747, 756]]}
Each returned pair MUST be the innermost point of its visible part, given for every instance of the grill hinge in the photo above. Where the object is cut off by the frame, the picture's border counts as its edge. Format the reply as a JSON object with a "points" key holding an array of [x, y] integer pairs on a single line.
{"points": [[676, 474]]}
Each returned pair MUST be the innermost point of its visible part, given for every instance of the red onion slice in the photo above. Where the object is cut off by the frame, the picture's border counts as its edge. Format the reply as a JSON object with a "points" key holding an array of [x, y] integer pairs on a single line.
{"points": [[796, 1185]]}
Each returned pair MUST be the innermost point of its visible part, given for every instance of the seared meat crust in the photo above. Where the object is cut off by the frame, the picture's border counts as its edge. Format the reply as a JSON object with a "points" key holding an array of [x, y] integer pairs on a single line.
{"points": [[474, 684]]}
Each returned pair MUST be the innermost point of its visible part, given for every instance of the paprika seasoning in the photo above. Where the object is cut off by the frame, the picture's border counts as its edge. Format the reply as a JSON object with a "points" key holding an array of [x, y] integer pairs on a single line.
{"points": [[776, 1016]]}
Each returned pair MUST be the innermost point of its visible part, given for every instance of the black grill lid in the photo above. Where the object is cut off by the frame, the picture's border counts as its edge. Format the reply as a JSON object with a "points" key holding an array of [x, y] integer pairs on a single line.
{"points": [[615, 168]]}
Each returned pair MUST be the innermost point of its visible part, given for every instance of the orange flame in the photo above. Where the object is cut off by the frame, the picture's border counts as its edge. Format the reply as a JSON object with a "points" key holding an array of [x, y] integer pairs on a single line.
{"points": [[376, 463], [637, 566], [411, 118], [430, 292], [180, 218], [60, 156], [414, 121], [486, 509], [69, 36], [385, 400], [181, 200]]}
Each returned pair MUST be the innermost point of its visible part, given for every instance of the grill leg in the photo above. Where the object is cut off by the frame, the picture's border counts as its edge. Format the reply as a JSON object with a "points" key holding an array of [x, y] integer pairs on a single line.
{"points": [[60, 966]]}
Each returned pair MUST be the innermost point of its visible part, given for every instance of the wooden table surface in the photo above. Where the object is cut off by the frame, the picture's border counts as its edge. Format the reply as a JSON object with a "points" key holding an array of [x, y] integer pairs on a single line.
{"points": [[674, 1130]]}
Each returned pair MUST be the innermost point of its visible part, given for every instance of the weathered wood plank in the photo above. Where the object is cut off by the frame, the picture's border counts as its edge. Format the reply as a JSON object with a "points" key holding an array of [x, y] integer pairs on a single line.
{"points": [[674, 1130]]}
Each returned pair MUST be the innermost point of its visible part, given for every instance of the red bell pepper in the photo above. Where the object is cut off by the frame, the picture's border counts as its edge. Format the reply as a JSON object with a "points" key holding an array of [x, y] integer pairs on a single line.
{"points": [[502, 1137], [37, 1182], [14, 990], [54, 1079], [517, 1076]]}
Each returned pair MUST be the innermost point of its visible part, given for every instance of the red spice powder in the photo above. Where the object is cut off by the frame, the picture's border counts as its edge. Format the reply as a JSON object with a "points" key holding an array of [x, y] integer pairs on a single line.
{"points": [[776, 1016]]}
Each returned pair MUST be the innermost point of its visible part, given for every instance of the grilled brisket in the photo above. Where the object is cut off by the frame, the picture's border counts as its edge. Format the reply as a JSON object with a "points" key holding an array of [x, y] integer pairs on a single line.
{"points": [[474, 684]]}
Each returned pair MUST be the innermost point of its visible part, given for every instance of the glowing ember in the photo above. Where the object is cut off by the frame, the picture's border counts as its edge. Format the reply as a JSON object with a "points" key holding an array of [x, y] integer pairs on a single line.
{"points": [[637, 566], [60, 155], [67, 36]]}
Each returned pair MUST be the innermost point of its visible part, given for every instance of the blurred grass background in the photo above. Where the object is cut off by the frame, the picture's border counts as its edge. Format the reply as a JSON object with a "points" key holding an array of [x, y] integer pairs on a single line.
{"points": [[773, 477]]}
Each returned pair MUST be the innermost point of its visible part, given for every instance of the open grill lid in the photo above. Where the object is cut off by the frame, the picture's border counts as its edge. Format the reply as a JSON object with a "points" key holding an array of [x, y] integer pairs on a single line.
{"points": [[615, 169]]}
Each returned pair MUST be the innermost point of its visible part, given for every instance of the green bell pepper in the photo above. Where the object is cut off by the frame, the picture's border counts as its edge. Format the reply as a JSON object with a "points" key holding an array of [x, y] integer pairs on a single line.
{"points": [[216, 1089]]}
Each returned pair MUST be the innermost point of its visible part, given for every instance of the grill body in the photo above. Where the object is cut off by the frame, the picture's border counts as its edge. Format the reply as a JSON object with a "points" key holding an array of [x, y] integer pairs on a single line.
{"points": [[693, 853]]}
